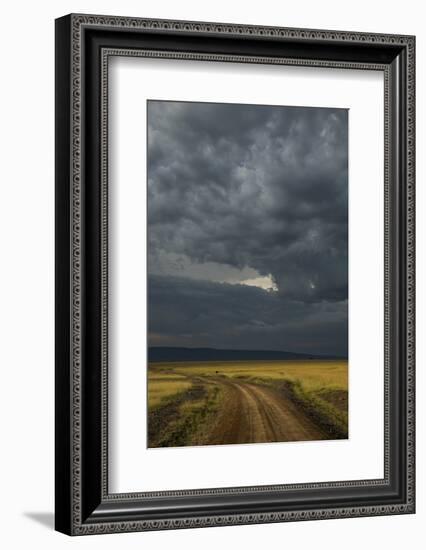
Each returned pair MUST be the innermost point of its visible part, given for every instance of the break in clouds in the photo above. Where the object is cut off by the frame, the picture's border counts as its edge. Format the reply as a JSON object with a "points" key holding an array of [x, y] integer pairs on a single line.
{"points": [[248, 227]]}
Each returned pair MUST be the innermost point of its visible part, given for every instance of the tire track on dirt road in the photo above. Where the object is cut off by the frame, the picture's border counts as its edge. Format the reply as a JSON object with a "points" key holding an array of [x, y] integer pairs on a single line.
{"points": [[251, 413]]}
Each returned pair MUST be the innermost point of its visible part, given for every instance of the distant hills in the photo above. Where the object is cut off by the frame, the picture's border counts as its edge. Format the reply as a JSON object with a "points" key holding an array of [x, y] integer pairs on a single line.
{"points": [[175, 354]]}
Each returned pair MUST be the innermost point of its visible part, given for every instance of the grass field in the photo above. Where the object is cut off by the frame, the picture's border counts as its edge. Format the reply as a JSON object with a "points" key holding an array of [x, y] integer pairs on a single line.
{"points": [[200, 403]]}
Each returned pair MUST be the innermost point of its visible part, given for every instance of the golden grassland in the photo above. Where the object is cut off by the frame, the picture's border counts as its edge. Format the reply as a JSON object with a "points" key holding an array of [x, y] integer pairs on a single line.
{"points": [[163, 386], [182, 399], [314, 374]]}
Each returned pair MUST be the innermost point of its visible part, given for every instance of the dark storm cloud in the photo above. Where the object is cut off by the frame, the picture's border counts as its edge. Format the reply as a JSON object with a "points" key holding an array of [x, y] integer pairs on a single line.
{"points": [[252, 187], [191, 313]]}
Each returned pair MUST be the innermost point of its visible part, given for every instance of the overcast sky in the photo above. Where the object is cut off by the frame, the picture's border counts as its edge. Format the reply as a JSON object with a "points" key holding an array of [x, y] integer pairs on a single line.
{"points": [[247, 227]]}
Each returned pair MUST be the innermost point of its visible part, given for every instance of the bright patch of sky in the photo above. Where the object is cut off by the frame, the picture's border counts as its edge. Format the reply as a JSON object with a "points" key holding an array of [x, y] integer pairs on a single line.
{"points": [[180, 265]]}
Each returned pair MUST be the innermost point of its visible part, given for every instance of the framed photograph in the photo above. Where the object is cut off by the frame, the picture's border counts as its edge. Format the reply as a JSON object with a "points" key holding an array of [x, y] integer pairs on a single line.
{"points": [[234, 274]]}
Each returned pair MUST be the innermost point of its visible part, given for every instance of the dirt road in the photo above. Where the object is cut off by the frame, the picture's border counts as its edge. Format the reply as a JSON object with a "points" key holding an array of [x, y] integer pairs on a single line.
{"points": [[251, 413]]}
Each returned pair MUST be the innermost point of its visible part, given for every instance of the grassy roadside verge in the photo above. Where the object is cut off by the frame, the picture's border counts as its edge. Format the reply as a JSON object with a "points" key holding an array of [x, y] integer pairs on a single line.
{"points": [[183, 420], [324, 413]]}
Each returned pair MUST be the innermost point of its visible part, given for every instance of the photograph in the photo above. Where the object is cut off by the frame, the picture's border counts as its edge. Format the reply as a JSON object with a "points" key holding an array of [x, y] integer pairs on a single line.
{"points": [[247, 229]]}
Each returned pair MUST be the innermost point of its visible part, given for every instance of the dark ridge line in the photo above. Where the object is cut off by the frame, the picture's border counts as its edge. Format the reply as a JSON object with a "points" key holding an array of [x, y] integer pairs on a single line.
{"points": [[157, 354]]}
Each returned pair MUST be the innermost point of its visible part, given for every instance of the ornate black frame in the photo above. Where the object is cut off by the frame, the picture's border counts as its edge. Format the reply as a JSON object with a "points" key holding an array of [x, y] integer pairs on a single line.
{"points": [[83, 46]]}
